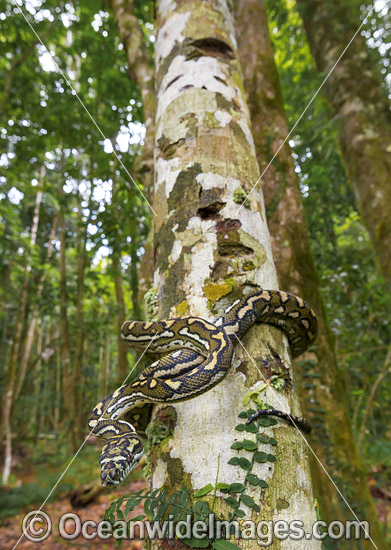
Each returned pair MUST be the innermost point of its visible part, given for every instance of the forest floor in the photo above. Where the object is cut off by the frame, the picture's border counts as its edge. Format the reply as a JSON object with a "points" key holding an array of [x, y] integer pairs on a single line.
{"points": [[37, 470], [11, 529]]}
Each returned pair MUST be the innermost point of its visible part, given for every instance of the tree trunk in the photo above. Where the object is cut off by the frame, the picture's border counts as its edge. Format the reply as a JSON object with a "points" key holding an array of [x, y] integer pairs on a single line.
{"points": [[68, 390], [122, 348], [9, 392], [115, 259], [79, 329], [14, 64], [141, 71], [134, 273], [358, 98], [5, 278], [207, 250], [323, 398], [29, 338]]}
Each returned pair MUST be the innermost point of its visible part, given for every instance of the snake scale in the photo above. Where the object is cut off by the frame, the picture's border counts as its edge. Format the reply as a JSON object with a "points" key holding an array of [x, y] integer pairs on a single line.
{"points": [[198, 356]]}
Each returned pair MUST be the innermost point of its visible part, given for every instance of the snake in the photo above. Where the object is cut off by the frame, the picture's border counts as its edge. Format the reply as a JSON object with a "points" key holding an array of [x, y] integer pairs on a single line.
{"points": [[195, 355]]}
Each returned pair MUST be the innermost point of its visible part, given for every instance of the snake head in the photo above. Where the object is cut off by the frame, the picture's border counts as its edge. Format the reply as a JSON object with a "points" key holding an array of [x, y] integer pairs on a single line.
{"points": [[118, 458]]}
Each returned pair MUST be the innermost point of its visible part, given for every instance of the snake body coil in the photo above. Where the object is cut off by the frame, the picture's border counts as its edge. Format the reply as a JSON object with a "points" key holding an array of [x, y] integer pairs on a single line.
{"points": [[202, 355]]}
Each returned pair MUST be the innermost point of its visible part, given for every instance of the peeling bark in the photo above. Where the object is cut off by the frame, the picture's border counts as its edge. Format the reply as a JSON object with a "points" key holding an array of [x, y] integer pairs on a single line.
{"points": [[322, 394], [358, 98], [207, 253]]}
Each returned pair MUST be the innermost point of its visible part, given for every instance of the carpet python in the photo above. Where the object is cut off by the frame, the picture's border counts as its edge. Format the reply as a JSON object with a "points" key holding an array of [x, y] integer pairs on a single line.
{"points": [[198, 356]]}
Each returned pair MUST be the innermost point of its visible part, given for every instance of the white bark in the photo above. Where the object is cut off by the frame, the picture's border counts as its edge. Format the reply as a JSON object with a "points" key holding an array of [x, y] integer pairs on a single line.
{"points": [[204, 153]]}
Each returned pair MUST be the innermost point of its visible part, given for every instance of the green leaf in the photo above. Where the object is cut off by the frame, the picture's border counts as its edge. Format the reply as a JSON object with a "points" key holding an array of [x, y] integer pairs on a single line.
{"points": [[263, 484], [237, 445], [273, 442], [119, 503], [222, 486], [251, 428], [129, 506], [174, 511], [249, 445], [240, 513], [243, 414], [263, 438], [224, 545], [264, 421], [253, 479], [161, 511], [246, 399], [120, 515], [236, 488], [271, 458], [201, 507], [248, 501], [260, 457], [138, 518], [204, 491], [244, 463], [184, 498], [174, 498], [240, 427], [232, 502], [197, 543], [234, 461]]}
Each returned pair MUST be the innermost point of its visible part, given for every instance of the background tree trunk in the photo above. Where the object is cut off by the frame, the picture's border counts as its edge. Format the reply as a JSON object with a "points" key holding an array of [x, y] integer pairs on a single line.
{"points": [[34, 317], [68, 389], [141, 71], [358, 98], [12, 371], [322, 394], [79, 340], [206, 250]]}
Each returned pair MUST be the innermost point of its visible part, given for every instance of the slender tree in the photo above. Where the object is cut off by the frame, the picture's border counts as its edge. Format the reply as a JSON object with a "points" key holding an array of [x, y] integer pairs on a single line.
{"points": [[362, 109], [34, 317], [119, 293], [12, 369], [322, 394], [207, 252], [141, 71]]}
